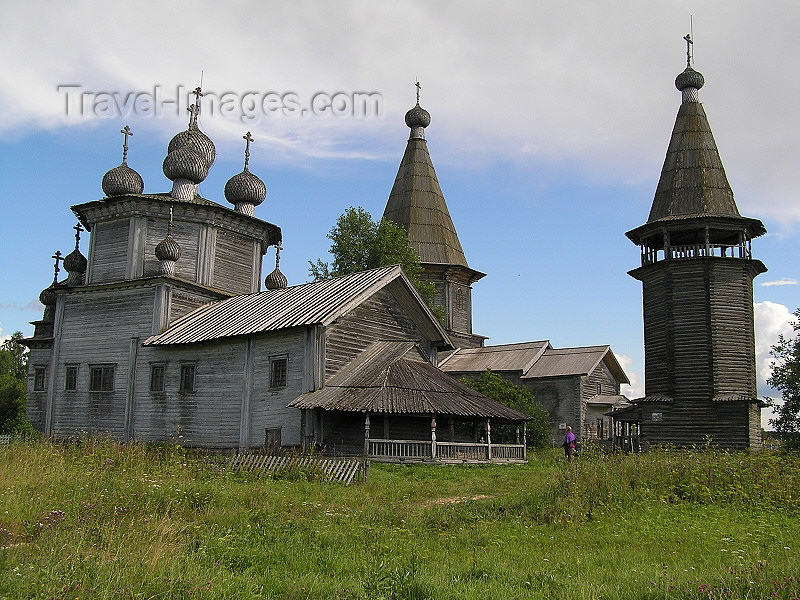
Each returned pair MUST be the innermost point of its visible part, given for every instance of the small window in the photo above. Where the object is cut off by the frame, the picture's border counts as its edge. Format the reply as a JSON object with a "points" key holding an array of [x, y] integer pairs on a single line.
{"points": [[188, 372], [156, 378], [71, 378], [277, 372], [101, 378], [599, 388], [39, 379]]}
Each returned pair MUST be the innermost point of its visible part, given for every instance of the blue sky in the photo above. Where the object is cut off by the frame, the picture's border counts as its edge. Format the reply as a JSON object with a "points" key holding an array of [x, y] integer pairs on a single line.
{"points": [[549, 127]]}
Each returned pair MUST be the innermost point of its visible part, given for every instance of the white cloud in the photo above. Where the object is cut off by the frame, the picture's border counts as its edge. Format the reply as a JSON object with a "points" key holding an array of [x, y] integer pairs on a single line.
{"points": [[588, 85], [635, 389], [781, 281], [771, 321]]}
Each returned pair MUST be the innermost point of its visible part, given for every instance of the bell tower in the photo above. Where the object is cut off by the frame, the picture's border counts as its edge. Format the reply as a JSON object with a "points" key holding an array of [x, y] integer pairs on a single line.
{"points": [[697, 270], [417, 203]]}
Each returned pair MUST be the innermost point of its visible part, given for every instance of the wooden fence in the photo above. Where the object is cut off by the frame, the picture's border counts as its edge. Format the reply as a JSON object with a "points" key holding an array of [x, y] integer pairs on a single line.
{"points": [[343, 470], [381, 450]]}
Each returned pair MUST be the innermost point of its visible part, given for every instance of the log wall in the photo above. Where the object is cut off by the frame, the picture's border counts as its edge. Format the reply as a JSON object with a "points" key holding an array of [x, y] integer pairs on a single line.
{"points": [[380, 318]]}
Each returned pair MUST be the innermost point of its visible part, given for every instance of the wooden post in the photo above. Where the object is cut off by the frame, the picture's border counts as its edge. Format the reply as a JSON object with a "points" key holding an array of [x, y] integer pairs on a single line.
{"points": [[303, 440], [452, 424], [433, 437], [366, 435], [488, 439], [517, 434], [524, 436]]}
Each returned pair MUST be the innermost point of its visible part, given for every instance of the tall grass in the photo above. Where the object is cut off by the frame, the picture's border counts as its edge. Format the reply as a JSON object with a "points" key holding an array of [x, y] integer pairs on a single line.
{"points": [[100, 520]]}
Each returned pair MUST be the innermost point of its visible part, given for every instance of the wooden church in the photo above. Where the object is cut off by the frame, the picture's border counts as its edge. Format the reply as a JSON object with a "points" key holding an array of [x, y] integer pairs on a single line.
{"points": [[697, 271], [164, 334]]}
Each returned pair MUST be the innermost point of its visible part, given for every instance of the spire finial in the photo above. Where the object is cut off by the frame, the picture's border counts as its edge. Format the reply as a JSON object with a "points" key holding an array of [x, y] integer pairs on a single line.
{"points": [[57, 256], [78, 230], [419, 87], [248, 138], [689, 44], [126, 131], [278, 249], [169, 227]]}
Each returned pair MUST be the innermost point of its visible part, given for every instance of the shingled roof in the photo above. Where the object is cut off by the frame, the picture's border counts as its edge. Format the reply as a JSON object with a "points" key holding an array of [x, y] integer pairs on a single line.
{"points": [[393, 377], [693, 180], [417, 203]]}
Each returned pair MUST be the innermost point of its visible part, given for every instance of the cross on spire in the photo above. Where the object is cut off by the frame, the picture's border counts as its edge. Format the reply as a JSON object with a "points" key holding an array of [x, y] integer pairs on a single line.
{"points": [[57, 256], [419, 87], [126, 131], [689, 44], [169, 227], [78, 230], [248, 138]]}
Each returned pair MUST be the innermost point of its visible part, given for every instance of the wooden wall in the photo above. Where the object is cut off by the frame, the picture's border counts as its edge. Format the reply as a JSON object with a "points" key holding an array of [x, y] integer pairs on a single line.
{"points": [[698, 324], [108, 258], [379, 318], [96, 329], [697, 422]]}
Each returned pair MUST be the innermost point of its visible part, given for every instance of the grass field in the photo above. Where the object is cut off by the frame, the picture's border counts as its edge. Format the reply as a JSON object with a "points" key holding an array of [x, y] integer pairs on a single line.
{"points": [[102, 520]]}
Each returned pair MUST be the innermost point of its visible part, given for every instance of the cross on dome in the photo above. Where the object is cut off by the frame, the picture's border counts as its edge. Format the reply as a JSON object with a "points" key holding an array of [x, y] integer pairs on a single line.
{"points": [[126, 131], [57, 256]]}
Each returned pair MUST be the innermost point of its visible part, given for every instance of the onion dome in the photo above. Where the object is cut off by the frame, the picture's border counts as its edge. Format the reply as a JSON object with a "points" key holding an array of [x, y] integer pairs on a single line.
{"points": [[197, 141], [418, 119], [168, 251], [75, 263], [689, 79], [123, 180], [48, 295], [245, 190], [276, 280], [187, 164]]}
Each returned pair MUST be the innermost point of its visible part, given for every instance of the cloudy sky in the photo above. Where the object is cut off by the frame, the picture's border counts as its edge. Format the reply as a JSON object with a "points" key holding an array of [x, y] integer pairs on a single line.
{"points": [[550, 121]]}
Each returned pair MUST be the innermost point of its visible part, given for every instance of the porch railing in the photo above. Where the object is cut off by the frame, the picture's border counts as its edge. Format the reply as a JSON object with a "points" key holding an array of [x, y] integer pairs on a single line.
{"points": [[416, 450]]}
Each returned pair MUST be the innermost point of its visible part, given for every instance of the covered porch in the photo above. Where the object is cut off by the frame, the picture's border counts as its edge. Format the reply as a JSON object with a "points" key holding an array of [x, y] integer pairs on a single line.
{"points": [[392, 405]]}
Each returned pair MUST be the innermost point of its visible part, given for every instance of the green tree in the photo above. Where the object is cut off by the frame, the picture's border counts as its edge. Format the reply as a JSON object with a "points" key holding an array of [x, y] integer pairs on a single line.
{"points": [[786, 378], [359, 243], [517, 397], [13, 372]]}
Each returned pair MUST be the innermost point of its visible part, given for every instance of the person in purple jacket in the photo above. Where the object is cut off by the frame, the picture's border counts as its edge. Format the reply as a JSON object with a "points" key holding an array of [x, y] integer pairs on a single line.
{"points": [[569, 443]]}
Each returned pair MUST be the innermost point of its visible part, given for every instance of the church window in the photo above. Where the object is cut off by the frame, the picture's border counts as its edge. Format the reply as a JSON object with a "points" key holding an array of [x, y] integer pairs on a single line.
{"points": [[188, 373], [101, 378], [71, 378], [39, 379], [278, 367], [157, 378]]}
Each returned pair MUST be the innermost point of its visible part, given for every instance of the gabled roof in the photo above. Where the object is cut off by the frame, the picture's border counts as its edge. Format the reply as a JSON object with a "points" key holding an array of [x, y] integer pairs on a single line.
{"points": [[558, 362], [320, 302], [394, 378], [417, 203], [505, 357], [534, 359]]}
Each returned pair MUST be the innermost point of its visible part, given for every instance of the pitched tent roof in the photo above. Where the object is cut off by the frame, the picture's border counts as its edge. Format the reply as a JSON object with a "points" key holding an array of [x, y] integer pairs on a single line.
{"points": [[417, 203], [505, 357], [693, 180], [320, 302], [393, 378], [557, 362]]}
